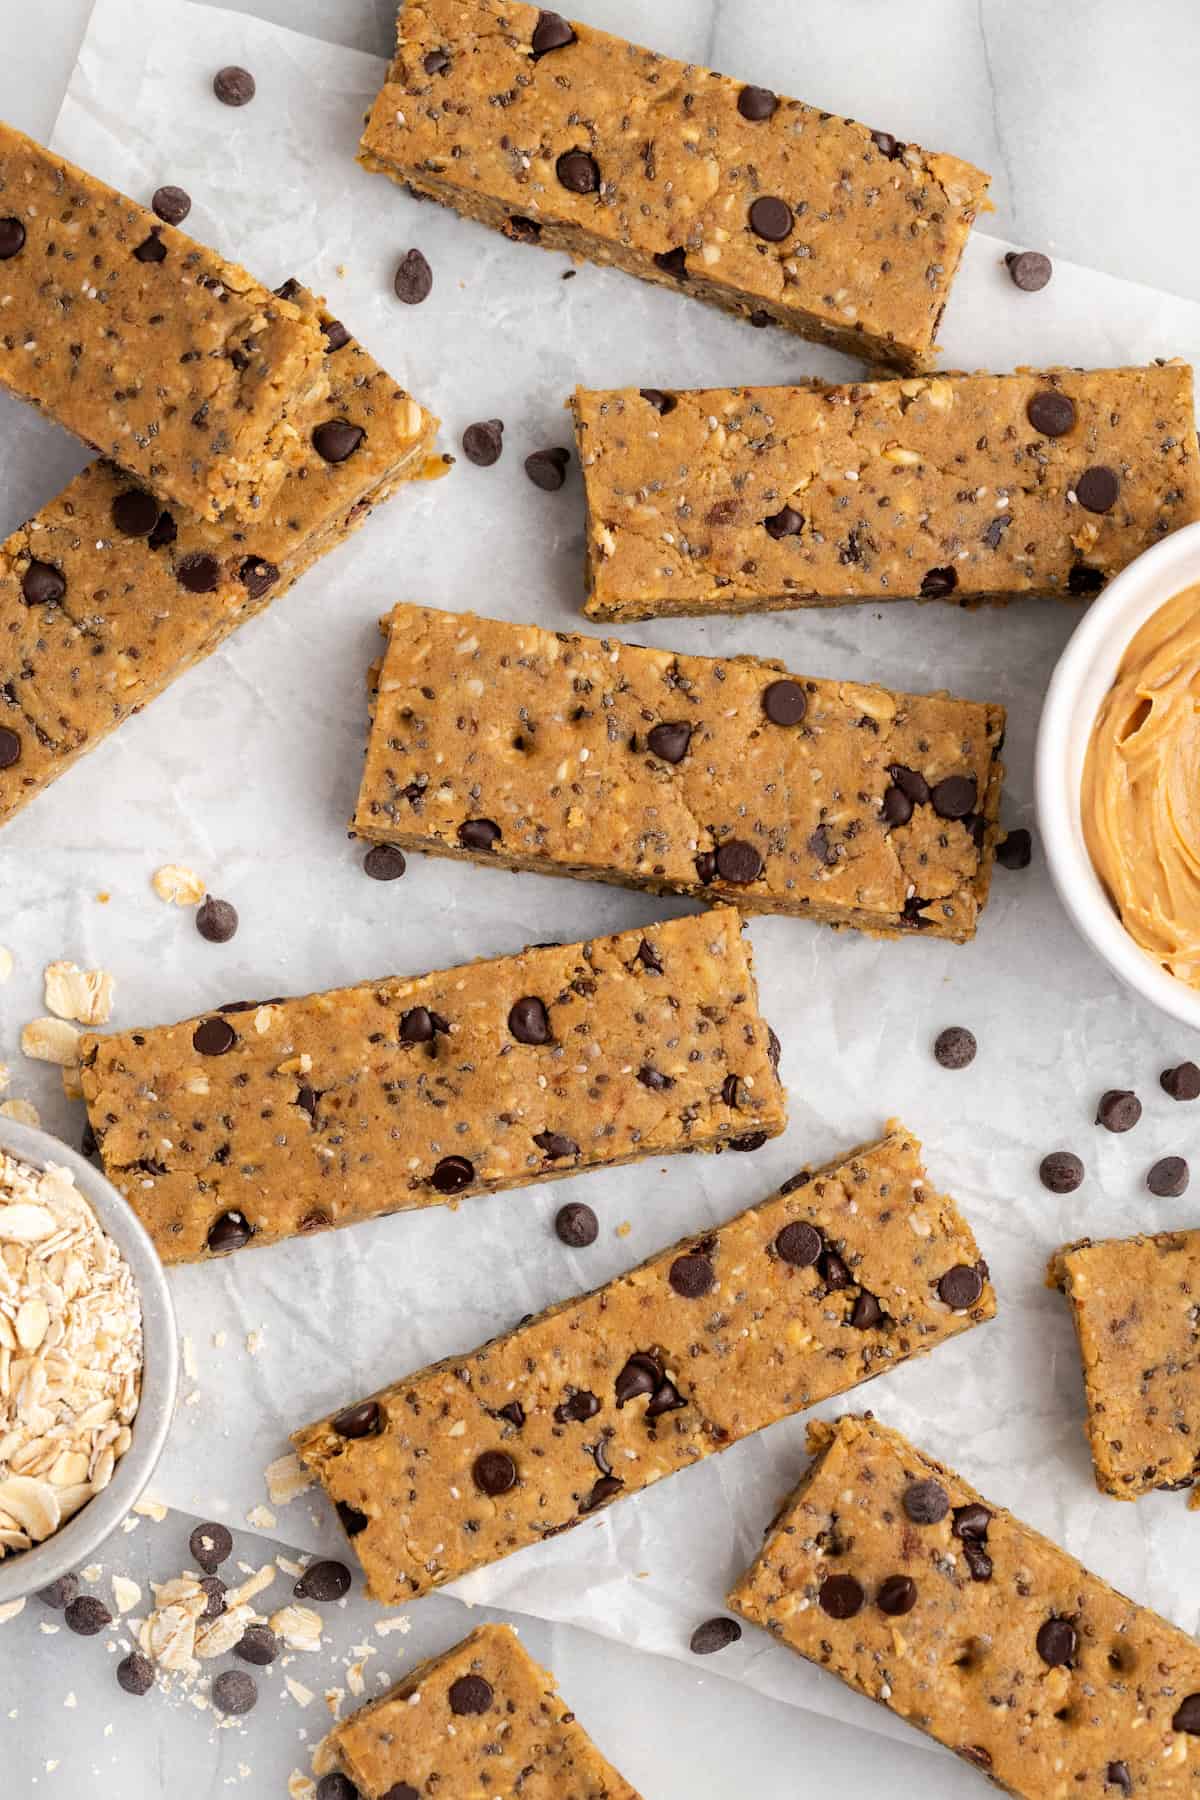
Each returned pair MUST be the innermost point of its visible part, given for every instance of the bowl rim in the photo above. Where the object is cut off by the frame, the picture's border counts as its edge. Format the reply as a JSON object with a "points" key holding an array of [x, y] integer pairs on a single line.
{"points": [[1082, 677], [77, 1541]]}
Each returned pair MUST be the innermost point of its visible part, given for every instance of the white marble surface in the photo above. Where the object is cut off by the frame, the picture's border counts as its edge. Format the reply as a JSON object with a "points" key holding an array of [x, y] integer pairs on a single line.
{"points": [[1006, 85]]}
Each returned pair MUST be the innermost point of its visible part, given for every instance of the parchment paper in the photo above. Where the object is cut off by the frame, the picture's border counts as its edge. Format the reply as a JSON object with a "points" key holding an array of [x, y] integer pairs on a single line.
{"points": [[247, 771]]}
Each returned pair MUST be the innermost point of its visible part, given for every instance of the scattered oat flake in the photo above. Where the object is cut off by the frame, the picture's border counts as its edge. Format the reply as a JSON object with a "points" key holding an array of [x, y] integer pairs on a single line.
{"points": [[289, 1567], [300, 1786], [72, 1084], [6, 964], [178, 885], [189, 1358], [10, 1609], [70, 1700], [298, 1626], [287, 1478], [23, 1111], [384, 1626], [52, 1041], [126, 1594], [85, 995], [624, 1228], [150, 1508], [262, 1518], [92, 1573], [300, 1694], [254, 1341]]}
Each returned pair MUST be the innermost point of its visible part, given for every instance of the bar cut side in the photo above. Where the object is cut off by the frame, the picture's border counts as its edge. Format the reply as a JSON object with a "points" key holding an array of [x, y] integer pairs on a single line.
{"points": [[967, 488], [842, 1275], [560, 135], [721, 778]]}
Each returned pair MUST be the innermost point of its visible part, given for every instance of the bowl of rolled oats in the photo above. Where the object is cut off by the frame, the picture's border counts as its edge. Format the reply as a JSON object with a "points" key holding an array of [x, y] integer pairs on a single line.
{"points": [[88, 1359]]}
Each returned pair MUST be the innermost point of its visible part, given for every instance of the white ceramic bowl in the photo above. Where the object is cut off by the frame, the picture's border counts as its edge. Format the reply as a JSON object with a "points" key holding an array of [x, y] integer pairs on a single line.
{"points": [[1085, 672], [77, 1541]]}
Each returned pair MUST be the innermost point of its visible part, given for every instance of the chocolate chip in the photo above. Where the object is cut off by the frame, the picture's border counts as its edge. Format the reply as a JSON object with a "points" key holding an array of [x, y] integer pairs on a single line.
{"points": [[135, 513], [785, 702], [1061, 1172], [210, 1544], [926, 1502], [216, 920], [785, 523], [665, 1398], [672, 262], [215, 1591], [550, 33], [60, 1593], [417, 1026], [936, 584], [1028, 269], [414, 278], [670, 741], [1084, 581], [1117, 1775], [479, 834], [654, 1079], [436, 62], [354, 1521], [1097, 489], [336, 335], [529, 1021], [641, 1375], [165, 532], [87, 1615], [470, 1694], [841, 1596], [171, 204], [547, 469], [1057, 1641], [714, 1635], [234, 86], [483, 442], [960, 1287], [691, 1276], [771, 218], [258, 1645], [213, 1037], [911, 782], [757, 104], [514, 1412], [954, 797], [577, 1408], [337, 440], [257, 577], [649, 958], [384, 862], [323, 1581], [1181, 1083], [1187, 1718], [578, 172], [662, 403], [525, 231], [199, 573], [399, 1790], [10, 748], [972, 1521], [739, 862], [1015, 850], [897, 807], [576, 1225], [799, 1244], [607, 1488], [897, 1596], [866, 1313], [42, 584], [555, 1144], [1119, 1110], [1051, 413], [1168, 1178], [363, 1420], [151, 249], [12, 238], [230, 1232], [834, 1272], [135, 1673], [234, 1692], [452, 1175], [753, 1140], [887, 145], [955, 1047]]}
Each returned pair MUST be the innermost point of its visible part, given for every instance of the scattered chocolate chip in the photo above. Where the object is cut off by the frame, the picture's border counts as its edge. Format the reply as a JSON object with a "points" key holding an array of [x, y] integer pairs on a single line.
{"points": [[897, 1596], [452, 1175], [172, 205], [234, 86], [152, 250], [1028, 270], [470, 1694], [42, 584], [323, 1581], [739, 862], [216, 920], [1061, 1172], [414, 278], [1097, 489], [887, 145], [799, 1244], [550, 33], [960, 1287], [1057, 1641], [1051, 413], [547, 469], [214, 1591], [363, 1420], [757, 104], [1168, 1178], [662, 403], [771, 218], [926, 1502], [12, 238], [576, 1225], [10, 747], [1119, 1110], [60, 1593], [555, 1144], [210, 1544], [234, 1692], [87, 1615], [578, 172], [436, 62], [384, 862], [714, 1635], [336, 335], [1117, 1775], [866, 1313], [483, 442], [529, 1021], [1181, 1083], [954, 797], [1187, 1717], [670, 741], [785, 702], [691, 1276], [672, 262], [135, 1673], [199, 573], [213, 1037], [258, 1645], [135, 513], [257, 577], [785, 523], [230, 1232], [1083, 581], [354, 1521], [841, 1596], [337, 440], [1015, 849], [955, 1047]]}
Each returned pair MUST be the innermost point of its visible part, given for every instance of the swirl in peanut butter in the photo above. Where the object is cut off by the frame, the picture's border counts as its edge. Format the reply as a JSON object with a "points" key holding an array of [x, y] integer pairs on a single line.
{"points": [[1141, 788]]}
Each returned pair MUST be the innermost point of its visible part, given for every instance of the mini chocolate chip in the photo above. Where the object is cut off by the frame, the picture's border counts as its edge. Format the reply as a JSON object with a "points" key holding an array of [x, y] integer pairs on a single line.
{"points": [[135, 513], [135, 1673], [199, 573], [649, 957], [866, 1313], [213, 1037], [954, 796], [210, 1544], [578, 172], [1061, 1172], [1168, 1178], [960, 1287], [171, 204], [258, 1645], [887, 145], [354, 1521], [937, 583], [714, 1635], [384, 862], [216, 920], [214, 1590], [479, 834], [42, 584], [1119, 1110], [229, 1232], [1051, 413], [739, 862], [87, 1615], [691, 1276], [787, 522], [470, 1694], [336, 335], [771, 218], [955, 1047], [799, 1244], [1028, 270], [414, 278], [757, 104], [1187, 1717], [550, 33], [654, 1079], [670, 741], [555, 1144], [363, 1420], [1015, 850], [337, 440], [436, 62], [12, 238], [1057, 1641], [152, 250], [897, 1596], [323, 1581], [234, 1692], [926, 1502], [641, 1375], [483, 442], [672, 262], [529, 1021], [662, 403], [785, 702], [234, 86], [1181, 1083], [1083, 581], [1117, 1775], [897, 807], [576, 1225], [547, 469], [257, 577], [10, 747], [841, 1596], [452, 1175], [59, 1593]]}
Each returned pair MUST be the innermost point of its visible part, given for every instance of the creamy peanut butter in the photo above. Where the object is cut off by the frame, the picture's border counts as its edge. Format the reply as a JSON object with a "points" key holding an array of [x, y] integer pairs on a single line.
{"points": [[1140, 800]]}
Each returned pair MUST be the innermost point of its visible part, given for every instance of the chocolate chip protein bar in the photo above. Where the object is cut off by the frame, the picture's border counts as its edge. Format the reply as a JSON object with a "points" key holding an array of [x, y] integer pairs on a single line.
{"points": [[843, 1274], [260, 1120], [722, 778], [1135, 1302], [559, 135], [151, 348], [483, 1718], [961, 487], [887, 1568], [109, 594]]}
